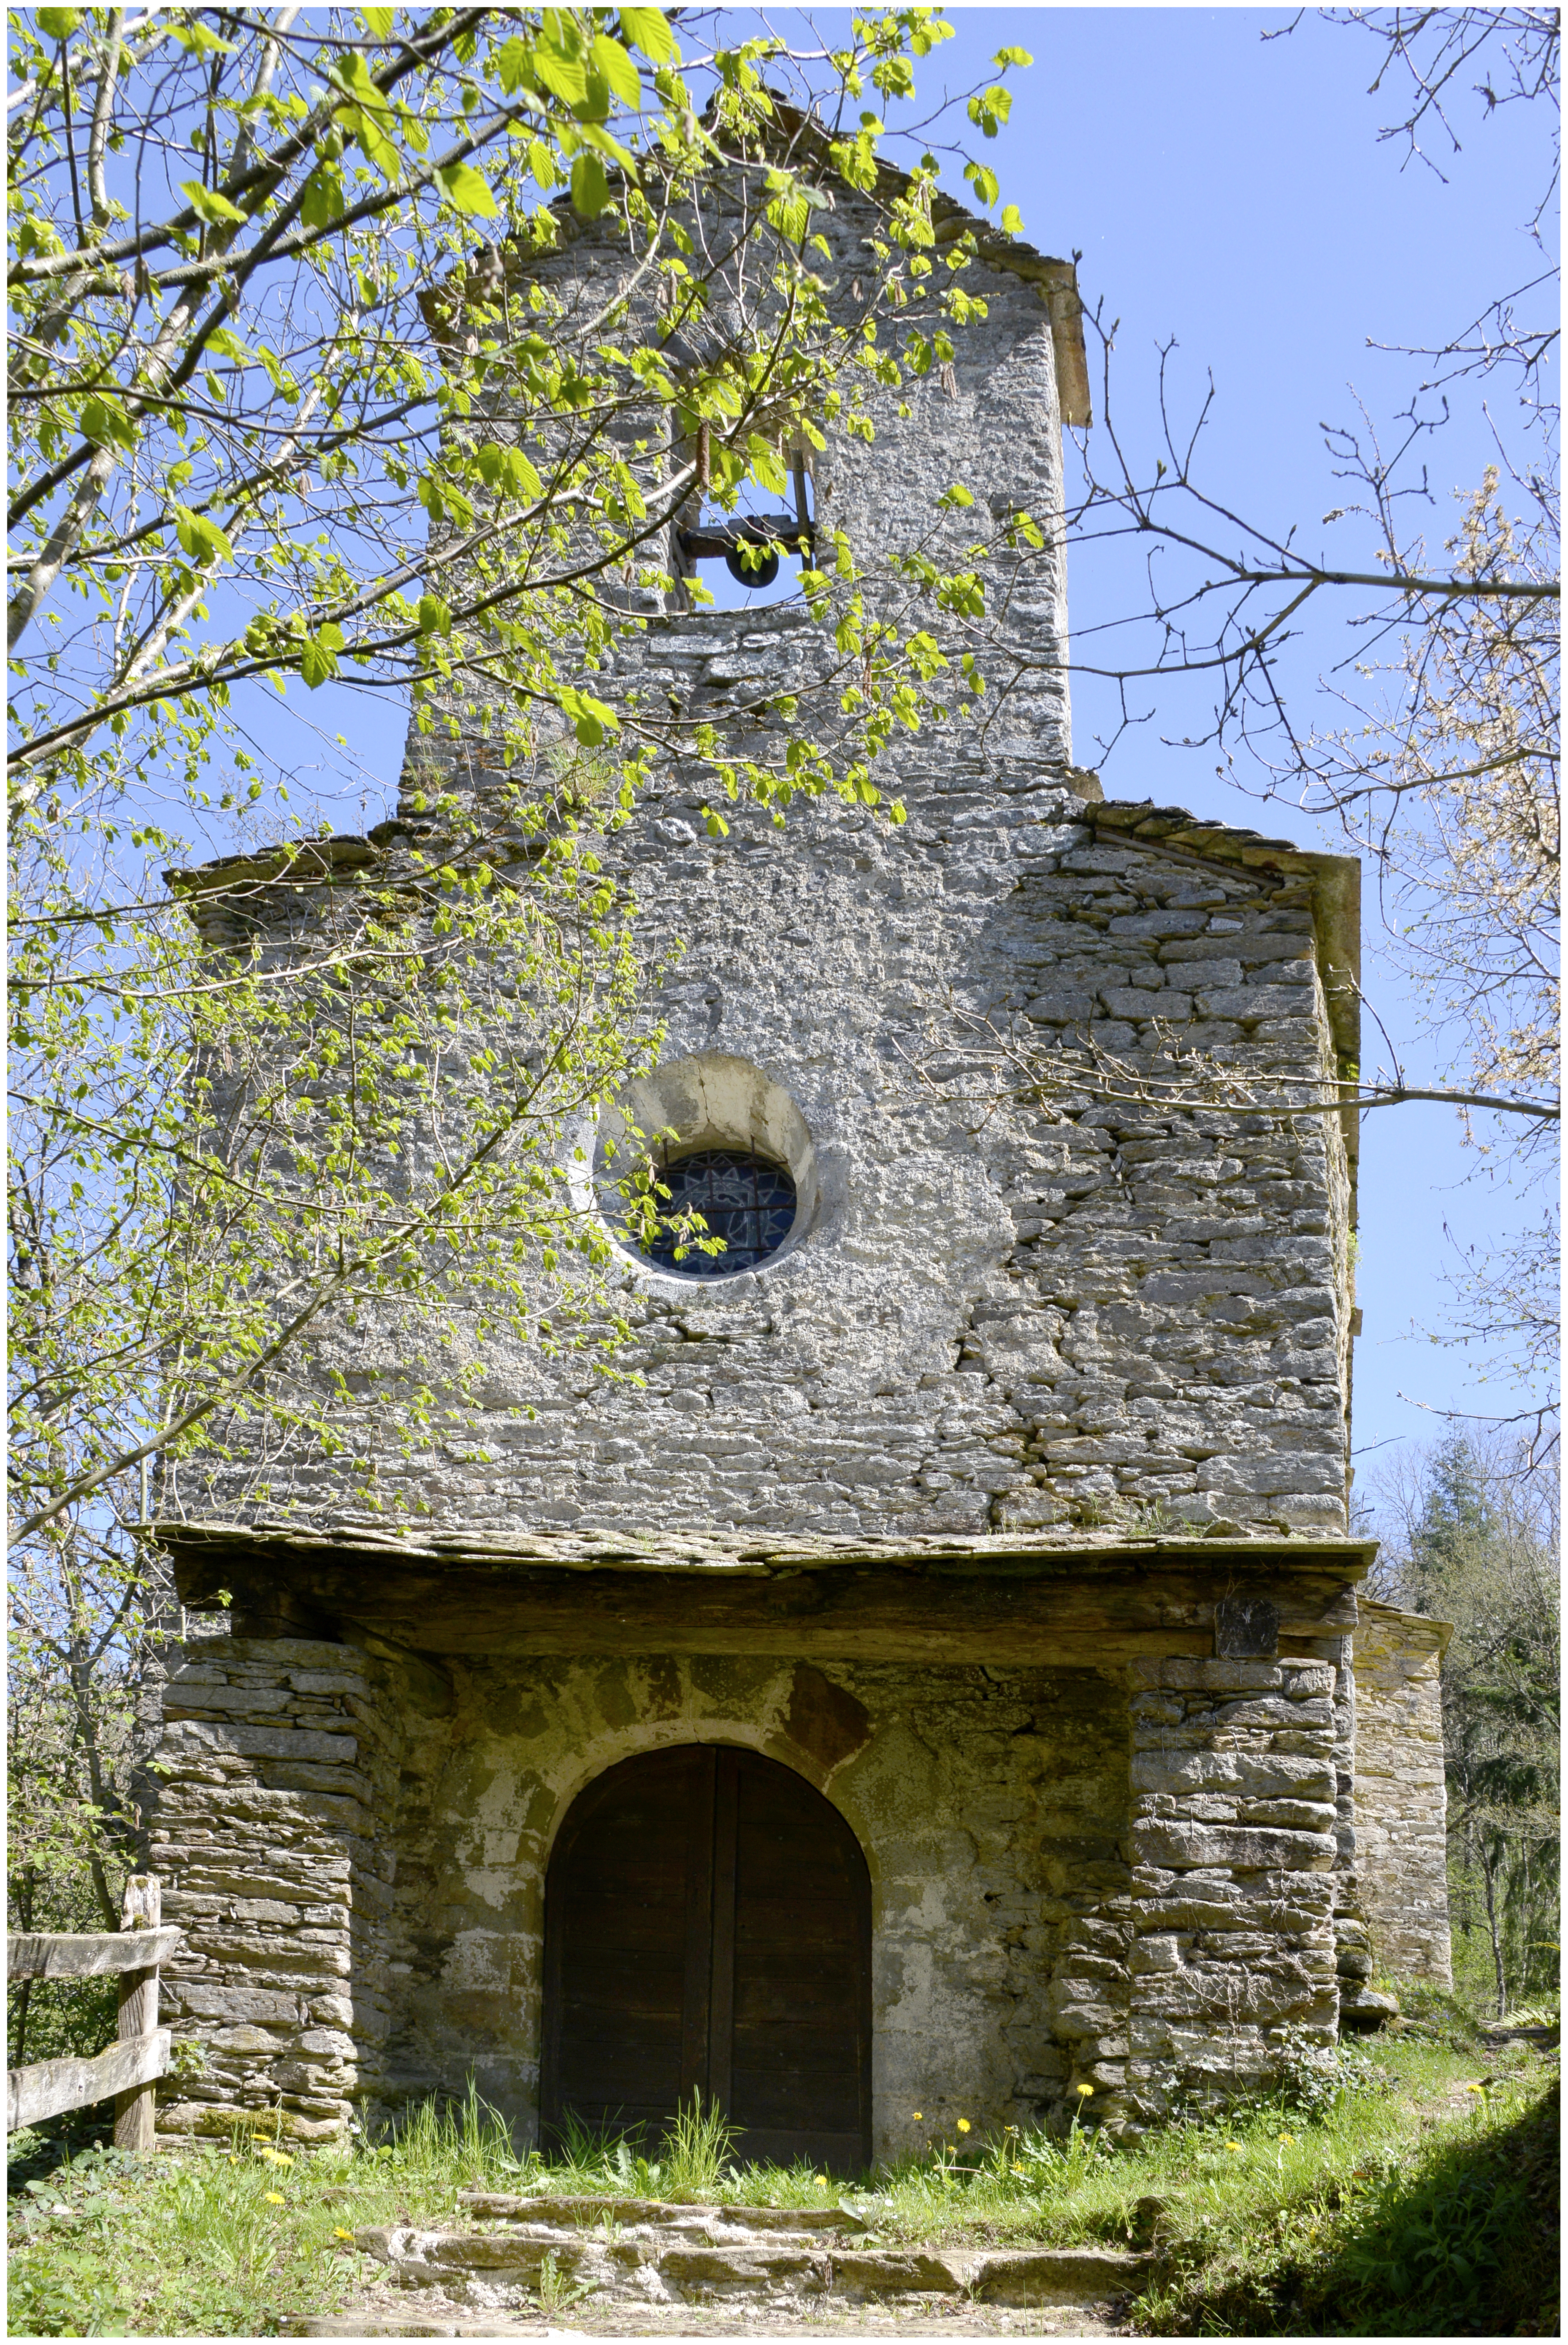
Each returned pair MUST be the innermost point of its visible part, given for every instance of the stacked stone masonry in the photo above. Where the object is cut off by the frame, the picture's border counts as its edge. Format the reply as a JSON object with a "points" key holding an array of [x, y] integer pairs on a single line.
{"points": [[999, 1317], [1115, 1878], [1023, 1319], [1401, 1793], [1058, 1317], [1232, 1958], [991, 1803], [281, 1764]]}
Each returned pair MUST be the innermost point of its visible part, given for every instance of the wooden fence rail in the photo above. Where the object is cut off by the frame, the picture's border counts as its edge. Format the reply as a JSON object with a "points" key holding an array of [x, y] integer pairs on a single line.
{"points": [[131, 2066]]}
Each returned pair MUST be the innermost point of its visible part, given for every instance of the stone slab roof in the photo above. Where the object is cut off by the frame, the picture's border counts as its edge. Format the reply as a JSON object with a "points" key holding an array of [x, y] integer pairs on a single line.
{"points": [[1013, 1554]]}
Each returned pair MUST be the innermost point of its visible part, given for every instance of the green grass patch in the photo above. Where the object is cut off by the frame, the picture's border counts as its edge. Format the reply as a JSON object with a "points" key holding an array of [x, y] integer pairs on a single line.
{"points": [[1396, 2200], [1456, 2237]]}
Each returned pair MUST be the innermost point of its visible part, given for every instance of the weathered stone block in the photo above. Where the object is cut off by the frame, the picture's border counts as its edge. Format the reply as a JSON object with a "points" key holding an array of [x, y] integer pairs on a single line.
{"points": [[1180, 1846], [1302, 1815], [247, 2040], [240, 2002], [328, 2041], [265, 1742], [1183, 1675]]}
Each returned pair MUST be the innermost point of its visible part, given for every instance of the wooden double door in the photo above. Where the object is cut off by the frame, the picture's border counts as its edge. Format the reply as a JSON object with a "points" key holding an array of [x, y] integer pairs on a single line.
{"points": [[707, 1930]]}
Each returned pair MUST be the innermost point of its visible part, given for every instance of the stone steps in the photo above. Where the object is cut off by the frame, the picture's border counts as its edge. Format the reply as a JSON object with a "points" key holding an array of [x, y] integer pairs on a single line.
{"points": [[767, 2258]]}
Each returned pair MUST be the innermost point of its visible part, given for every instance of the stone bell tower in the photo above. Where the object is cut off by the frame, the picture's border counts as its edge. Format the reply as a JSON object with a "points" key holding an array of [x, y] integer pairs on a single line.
{"points": [[987, 1493]]}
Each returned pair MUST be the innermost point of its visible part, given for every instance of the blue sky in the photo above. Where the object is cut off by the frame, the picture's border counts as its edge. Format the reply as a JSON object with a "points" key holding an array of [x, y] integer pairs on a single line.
{"points": [[1231, 194]]}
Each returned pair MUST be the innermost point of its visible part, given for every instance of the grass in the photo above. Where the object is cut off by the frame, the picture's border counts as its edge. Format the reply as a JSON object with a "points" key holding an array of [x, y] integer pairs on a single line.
{"points": [[1460, 2240], [1403, 2202]]}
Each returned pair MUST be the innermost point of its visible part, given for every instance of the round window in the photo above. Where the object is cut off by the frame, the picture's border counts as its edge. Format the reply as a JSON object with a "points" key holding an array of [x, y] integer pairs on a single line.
{"points": [[743, 1198]]}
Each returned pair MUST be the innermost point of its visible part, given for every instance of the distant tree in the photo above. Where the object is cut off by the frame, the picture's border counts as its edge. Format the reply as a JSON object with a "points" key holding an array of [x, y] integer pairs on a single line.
{"points": [[1475, 1543]]}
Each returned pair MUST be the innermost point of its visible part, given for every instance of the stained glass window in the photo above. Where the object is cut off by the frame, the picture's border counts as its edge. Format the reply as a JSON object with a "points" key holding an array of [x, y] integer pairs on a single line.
{"points": [[743, 1198]]}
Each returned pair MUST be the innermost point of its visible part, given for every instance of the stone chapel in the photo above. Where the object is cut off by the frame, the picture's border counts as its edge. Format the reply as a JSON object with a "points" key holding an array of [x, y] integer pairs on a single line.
{"points": [[943, 1683]]}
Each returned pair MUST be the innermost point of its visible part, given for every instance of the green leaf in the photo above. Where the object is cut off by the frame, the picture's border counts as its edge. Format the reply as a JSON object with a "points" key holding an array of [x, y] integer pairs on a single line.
{"points": [[619, 71], [318, 661], [59, 24], [566, 76], [593, 134], [515, 65], [983, 181], [199, 39], [377, 23], [434, 617], [1011, 56], [1012, 220], [106, 425], [380, 150], [648, 29], [591, 719], [201, 537], [225, 345], [208, 205], [321, 198], [467, 191], [590, 187], [524, 479]]}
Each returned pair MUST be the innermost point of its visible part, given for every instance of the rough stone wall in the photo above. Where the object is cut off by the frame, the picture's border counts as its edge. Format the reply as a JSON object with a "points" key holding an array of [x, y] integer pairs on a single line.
{"points": [[1068, 1314], [1232, 1958], [358, 1854], [1400, 1794], [280, 1769], [991, 1804], [994, 1322], [1072, 1314], [989, 418]]}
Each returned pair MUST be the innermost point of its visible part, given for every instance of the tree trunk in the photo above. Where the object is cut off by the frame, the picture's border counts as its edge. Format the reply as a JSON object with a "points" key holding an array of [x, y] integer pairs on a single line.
{"points": [[25, 1888], [99, 1789], [1491, 1921]]}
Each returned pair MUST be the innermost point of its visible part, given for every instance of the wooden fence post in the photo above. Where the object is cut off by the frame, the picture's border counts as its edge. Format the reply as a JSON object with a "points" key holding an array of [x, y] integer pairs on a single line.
{"points": [[134, 2111]]}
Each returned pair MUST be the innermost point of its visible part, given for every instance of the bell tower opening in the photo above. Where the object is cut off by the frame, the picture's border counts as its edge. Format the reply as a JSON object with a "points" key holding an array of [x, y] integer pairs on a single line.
{"points": [[707, 1931]]}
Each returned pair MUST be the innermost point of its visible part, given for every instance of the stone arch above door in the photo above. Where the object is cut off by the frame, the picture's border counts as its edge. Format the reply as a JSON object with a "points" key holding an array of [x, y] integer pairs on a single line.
{"points": [[708, 1931]]}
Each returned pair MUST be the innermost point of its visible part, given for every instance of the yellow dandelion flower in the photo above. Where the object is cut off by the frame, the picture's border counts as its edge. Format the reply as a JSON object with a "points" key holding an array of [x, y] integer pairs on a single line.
{"points": [[1084, 2091], [821, 2182], [342, 2234], [276, 2157], [276, 2198], [1019, 2169], [1475, 2089], [1233, 2145], [963, 2125], [919, 2118]]}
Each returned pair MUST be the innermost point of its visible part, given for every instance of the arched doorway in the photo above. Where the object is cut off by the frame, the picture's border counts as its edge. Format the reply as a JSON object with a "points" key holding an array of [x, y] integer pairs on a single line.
{"points": [[707, 1929]]}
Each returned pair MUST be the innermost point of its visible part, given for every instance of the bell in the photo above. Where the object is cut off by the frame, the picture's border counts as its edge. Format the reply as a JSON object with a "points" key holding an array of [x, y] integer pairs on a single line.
{"points": [[758, 573]]}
